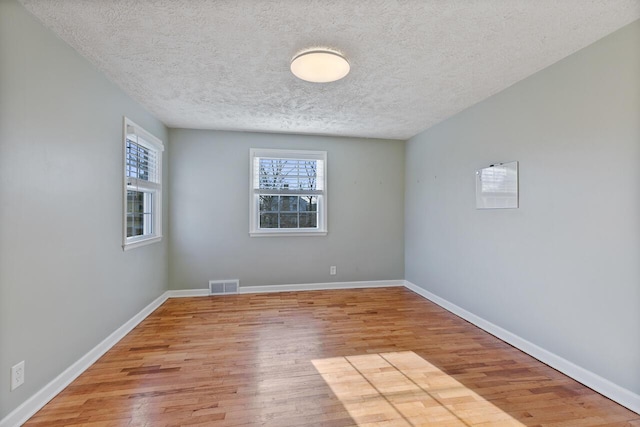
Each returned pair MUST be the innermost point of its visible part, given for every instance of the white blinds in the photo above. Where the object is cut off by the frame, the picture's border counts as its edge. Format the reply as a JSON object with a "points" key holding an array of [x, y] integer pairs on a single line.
{"points": [[141, 160], [142, 163], [290, 176]]}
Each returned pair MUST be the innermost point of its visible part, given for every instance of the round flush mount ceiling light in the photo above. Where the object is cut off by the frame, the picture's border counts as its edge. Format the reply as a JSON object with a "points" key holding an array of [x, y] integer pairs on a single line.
{"points": [[320, 66]]}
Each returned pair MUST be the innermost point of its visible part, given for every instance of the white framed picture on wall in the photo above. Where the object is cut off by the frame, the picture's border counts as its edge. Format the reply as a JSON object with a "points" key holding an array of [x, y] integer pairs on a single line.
{"points": [[497, 186]]}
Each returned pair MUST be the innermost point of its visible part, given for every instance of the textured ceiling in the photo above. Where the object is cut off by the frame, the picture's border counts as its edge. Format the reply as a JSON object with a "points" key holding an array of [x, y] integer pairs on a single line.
{"points": [[213, 64]]}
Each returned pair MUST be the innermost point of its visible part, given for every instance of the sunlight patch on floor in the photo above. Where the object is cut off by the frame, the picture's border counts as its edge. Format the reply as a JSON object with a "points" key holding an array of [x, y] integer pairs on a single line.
{"points": [[403, 389]]}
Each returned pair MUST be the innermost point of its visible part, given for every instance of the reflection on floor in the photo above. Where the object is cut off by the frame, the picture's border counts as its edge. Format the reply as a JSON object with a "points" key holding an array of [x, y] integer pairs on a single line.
{"points": [[403, 389]]}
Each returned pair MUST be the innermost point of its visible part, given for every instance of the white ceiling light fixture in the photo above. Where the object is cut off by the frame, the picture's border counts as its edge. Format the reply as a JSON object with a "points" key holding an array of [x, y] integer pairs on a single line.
{"points": [[320, 65]]}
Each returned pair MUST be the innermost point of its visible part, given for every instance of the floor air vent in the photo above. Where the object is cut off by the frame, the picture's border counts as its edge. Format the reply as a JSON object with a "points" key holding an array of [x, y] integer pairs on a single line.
{"points": [[223, 287]]}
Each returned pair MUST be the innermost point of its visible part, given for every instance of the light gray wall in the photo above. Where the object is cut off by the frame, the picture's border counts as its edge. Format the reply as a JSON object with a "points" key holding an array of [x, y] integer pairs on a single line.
{"points": [[210, 212], [562, 271], [65, 283]]}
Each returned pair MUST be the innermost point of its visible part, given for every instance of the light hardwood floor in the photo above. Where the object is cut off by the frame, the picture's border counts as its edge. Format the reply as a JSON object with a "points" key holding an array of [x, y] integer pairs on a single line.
{"points": [[366, 357]]}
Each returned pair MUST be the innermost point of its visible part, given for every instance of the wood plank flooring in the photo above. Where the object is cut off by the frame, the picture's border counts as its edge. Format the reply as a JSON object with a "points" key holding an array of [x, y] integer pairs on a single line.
{"points": [[365, 357]]}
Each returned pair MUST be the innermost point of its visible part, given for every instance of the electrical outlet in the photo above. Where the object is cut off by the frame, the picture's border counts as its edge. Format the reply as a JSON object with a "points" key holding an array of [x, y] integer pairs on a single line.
{"points": [[17, 375], [332, 270]]}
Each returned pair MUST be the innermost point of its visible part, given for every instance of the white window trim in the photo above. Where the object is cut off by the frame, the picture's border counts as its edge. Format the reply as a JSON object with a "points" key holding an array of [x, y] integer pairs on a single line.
{"points": [[254, 222], [156, 144]]}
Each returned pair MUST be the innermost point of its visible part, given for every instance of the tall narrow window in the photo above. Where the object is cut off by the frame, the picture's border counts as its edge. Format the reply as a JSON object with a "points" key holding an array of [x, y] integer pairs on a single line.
{"points": [[142, 186], [288, 192]]}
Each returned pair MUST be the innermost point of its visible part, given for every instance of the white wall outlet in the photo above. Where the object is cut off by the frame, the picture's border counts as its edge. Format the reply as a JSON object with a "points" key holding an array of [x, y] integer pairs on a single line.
{"points": [[333, 270], [17, 375]]}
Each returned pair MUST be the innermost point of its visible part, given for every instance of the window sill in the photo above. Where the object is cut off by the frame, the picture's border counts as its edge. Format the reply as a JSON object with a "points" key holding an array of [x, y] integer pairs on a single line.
{"points": [[281, 233], [139, 243]]}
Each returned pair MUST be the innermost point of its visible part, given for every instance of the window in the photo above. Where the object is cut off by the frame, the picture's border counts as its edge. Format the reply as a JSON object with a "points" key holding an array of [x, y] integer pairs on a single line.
{"points": [[142, 187], [288, 193]]}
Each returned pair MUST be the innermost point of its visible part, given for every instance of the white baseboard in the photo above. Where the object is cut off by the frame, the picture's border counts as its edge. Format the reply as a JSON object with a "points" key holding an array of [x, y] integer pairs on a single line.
{"points": [[185, 293], [32, 405], [320, 286], [603, 386]]}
